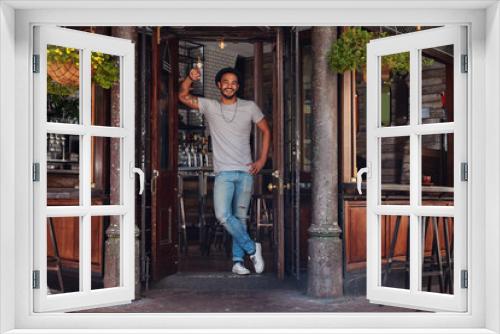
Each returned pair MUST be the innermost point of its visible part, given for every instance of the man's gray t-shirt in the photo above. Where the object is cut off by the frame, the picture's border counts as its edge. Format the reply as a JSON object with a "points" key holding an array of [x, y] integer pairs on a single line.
{"points": [[230, 136]]}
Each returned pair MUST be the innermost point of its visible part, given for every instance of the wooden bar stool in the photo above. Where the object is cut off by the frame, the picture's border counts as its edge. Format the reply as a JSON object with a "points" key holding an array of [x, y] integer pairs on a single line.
{"points": [[261, 216], [434, 265], [54, 261]]}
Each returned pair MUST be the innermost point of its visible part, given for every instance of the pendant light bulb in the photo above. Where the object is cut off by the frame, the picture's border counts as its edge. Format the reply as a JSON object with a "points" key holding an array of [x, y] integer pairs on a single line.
{"points": [[221, 44]]}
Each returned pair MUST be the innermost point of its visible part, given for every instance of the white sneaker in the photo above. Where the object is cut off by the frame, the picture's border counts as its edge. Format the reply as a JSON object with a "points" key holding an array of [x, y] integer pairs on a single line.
{"points": [[257, 259], [240, 269]]}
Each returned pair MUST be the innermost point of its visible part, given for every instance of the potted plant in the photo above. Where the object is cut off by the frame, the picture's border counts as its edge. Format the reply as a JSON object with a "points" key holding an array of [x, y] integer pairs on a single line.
{"points": [[63, 69]]}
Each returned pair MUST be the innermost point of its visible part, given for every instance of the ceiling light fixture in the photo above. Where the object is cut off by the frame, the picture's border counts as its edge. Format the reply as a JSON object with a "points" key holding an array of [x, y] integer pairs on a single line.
{"points": [[221, 44]]}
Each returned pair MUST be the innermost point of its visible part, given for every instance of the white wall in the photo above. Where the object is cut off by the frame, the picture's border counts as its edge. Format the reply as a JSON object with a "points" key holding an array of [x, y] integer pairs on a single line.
{"points": [[492, 207], [7, 175]]}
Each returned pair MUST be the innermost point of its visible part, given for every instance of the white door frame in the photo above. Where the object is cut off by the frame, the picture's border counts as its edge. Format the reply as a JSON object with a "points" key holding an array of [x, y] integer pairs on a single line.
{"points": [[413, 43], [485, 51], [85, 210]]}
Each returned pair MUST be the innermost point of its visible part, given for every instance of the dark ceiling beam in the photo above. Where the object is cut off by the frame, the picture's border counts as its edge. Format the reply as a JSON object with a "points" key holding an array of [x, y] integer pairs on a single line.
{"points": [[230, 34]]}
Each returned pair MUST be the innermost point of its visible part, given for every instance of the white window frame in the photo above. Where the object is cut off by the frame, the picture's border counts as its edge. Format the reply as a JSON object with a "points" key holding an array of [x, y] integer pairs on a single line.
{"points": [[16, 20]]}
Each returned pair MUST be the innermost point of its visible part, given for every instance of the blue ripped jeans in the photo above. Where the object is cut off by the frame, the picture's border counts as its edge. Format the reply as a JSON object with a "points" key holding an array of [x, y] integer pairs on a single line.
{"points": [[232, 194]]}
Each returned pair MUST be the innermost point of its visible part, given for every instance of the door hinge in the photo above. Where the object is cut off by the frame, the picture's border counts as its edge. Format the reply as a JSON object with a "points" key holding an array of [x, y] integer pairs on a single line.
{"points": [[36, 172], [465, 63], [36, 63], [464, 281], [464, 171], [36, 279]]}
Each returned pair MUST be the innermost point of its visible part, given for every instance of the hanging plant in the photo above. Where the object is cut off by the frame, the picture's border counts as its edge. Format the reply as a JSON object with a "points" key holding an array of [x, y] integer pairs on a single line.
{"points": [[106, 69], [399, 63], [348, 53], [63, 68]]}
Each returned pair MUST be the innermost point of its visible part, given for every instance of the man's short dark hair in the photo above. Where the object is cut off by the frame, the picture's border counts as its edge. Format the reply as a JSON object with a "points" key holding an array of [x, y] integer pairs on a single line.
{"points": [[218, 76]]}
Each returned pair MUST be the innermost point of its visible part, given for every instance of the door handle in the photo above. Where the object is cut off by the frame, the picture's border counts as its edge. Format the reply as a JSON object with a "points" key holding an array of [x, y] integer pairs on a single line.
{"points": [[359, 177], [135, 170], [271, 186], [153, 181], [285, 186]]}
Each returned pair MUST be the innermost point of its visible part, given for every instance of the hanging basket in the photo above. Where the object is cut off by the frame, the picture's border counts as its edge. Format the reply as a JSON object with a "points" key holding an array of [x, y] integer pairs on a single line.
{"points": [[67, 74]]}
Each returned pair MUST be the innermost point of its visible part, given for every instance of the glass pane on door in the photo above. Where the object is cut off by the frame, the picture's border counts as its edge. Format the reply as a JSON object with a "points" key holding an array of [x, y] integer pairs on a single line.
{"points": [[106, 239], [437, 169], [395, 251], [63, 255], [105, 74], [395, 170], [437, 85], [105, 170], [63, 169], [395, 88], [63, 84], [437, 255]]}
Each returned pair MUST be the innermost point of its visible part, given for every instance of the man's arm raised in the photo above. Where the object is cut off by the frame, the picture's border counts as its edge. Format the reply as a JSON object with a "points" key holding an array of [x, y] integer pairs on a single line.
{"points": [[184, 91]]}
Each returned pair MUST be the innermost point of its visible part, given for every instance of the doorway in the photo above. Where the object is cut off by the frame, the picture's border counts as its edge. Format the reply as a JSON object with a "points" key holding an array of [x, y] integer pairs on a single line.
{"points": [[181, 146]]}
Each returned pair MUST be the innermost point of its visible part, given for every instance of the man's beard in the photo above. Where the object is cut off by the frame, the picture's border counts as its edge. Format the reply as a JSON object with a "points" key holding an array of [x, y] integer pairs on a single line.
{"points": [[228, 96]]}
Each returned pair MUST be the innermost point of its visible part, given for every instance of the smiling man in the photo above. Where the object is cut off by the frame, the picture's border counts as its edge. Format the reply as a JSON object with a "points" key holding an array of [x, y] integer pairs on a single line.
{"points": [[230, 121]]}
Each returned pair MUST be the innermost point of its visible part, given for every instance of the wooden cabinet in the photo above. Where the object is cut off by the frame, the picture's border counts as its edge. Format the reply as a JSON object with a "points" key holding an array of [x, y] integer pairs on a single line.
{"points": [[355, 234]]}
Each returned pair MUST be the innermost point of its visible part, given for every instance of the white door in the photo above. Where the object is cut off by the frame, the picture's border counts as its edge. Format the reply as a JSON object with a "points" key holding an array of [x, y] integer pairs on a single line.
{"points": [[83, 169], [417, 170]]}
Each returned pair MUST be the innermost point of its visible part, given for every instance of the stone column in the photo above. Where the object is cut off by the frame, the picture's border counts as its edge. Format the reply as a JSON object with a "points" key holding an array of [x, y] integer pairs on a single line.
{"points": [[325, 246], [112, 244]]}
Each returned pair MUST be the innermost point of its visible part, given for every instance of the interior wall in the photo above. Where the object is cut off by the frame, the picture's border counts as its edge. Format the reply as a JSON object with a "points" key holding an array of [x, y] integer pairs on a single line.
{"points": [[215, 59]]}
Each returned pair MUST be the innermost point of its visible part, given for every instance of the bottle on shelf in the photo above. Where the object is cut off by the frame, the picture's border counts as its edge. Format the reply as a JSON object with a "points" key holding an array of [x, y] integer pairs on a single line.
{"points": [[188, 154]]}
